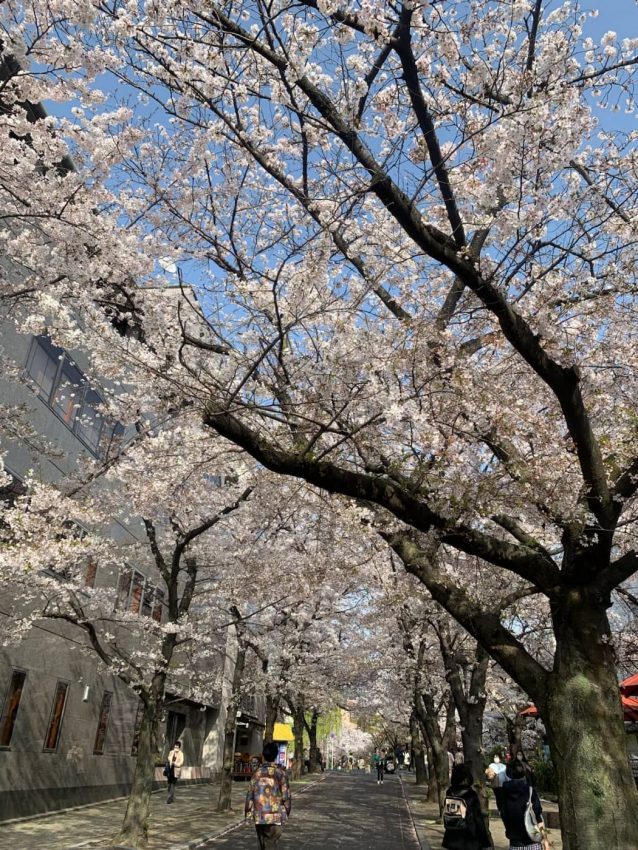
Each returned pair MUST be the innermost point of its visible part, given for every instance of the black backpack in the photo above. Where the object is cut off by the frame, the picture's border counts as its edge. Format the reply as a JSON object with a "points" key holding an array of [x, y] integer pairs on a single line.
{"points": [[455, 813]]}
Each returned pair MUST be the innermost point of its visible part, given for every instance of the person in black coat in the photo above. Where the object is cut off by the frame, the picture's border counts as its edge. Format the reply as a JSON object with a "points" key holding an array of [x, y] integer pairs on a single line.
{"points": [[514, 800], [470, 832]]}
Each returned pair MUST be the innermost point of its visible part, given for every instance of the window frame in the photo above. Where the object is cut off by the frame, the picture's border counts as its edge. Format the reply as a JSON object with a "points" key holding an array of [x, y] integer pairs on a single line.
{"points": [[50, 726], [6, 702], [110, 431], [135, 590], [103, 723]]}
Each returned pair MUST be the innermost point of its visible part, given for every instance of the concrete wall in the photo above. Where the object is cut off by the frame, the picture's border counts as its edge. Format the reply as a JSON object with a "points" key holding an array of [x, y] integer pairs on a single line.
{"points": [[31, 780]]}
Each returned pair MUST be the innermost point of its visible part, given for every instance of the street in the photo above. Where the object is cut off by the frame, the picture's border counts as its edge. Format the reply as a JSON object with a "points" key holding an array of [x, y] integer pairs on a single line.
{"points": [[346, 811]]}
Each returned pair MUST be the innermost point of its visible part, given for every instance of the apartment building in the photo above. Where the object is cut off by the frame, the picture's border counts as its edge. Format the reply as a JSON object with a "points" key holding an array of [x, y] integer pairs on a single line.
{"points": [[68, 730]]}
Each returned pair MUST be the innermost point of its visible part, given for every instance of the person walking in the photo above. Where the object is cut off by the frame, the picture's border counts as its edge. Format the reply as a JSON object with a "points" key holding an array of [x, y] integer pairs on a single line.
{"points": [[174, 764], [465, 827], [516, 794], [378, 760], [496, 776], [268, 799]]}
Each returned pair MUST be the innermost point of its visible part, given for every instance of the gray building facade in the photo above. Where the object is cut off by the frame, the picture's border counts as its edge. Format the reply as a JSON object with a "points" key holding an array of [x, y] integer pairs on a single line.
{"points": [[68, 728]]}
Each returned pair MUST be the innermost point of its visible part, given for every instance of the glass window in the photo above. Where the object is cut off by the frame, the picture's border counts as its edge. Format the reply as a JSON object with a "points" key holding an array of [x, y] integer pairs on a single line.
{"points": [[148, 600], [136, 592], [137, 728], [103, 722], [124, 589], [63, 386], [112, 438], [90, 574], [11, 705], [68, 396], [43, 364], [89, 422], [55, 723]]}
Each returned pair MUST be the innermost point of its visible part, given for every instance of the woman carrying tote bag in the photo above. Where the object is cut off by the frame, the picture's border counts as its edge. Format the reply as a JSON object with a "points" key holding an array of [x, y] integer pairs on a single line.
{"points": [[521, 811]]}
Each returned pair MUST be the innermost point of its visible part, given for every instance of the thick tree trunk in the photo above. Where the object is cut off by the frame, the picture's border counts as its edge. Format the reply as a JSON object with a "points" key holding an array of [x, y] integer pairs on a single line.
{"points": [[583, 715], [440, 764], [472, 738], [433, 785], [449, 732], [272, 710], [226, 786], [297, 730], [417, 749], [313, 765], [134, 829]]}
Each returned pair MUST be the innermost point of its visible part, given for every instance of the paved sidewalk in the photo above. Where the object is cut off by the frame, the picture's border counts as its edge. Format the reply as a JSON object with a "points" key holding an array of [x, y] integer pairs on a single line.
{"points": [[430, 833], [189, 821]]}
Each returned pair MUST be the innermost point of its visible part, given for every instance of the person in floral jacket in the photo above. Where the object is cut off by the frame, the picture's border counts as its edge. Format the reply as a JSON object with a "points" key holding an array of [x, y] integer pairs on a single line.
{"points": [[268, 799]]}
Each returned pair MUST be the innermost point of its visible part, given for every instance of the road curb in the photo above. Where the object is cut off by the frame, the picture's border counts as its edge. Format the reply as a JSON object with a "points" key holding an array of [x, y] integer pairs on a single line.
{"points": [[421, 839]]}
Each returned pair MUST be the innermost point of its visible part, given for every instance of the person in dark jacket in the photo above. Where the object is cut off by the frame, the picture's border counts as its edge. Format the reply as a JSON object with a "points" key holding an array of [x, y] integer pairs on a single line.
{"points": [[514, 799], [467, 831], [529, 773]]}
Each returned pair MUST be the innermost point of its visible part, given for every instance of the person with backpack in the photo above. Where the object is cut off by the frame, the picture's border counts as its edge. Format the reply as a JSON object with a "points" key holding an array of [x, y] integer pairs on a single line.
{"points": [[465, 827], [268, 799], [521, 810]]}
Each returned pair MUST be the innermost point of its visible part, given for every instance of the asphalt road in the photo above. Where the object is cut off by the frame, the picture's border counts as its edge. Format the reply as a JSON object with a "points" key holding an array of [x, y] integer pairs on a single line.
{"points": [[350, 812]]}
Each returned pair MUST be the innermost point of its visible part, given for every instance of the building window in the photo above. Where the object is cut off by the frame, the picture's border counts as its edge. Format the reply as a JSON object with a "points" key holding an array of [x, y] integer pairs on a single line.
{"points": [[10, 708], [57, 713], [124, 589], [91, 573], [137, 591], [103, 722], [68, 394], [137, 594], [137, 728], [63, 387], [43, 365]]}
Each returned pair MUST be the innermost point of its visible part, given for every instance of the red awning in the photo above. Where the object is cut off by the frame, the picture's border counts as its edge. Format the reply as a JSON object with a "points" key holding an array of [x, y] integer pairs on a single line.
{"points": [[629, 687], [629, 705], [630, 709]]}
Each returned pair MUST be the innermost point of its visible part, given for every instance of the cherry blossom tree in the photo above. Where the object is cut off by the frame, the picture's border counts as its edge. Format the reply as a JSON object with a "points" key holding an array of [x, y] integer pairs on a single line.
{"points": [[416, 226]]}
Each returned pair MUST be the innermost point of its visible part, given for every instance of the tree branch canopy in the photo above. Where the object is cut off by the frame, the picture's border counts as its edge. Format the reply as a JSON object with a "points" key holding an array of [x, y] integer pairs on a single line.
{"points": [[383, 492]]}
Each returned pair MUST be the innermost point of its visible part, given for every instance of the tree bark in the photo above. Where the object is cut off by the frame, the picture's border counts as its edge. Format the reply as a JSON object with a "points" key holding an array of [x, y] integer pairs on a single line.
{"points": [[440, 766], [134, 829], [272, 710], [583, 717], [311, 728], [225, 790], [297, 729], [469, 700], [417, 749]]}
